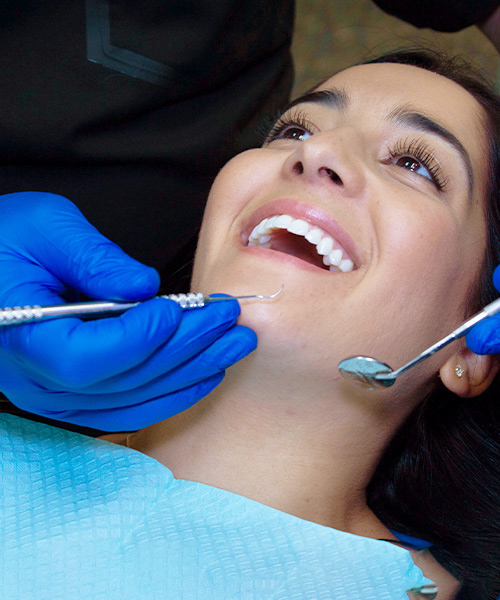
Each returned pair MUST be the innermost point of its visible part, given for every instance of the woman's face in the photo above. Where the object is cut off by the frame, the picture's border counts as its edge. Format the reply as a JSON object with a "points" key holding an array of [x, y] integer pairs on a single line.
{"points": [[384, 174]]}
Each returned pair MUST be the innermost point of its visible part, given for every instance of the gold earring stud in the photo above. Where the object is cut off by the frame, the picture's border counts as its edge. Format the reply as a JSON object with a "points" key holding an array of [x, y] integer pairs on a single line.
{"points": [[459, 370]]}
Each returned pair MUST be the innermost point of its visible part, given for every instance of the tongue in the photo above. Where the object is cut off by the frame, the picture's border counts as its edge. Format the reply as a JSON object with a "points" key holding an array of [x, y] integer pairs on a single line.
{"points": [[296, 245]]}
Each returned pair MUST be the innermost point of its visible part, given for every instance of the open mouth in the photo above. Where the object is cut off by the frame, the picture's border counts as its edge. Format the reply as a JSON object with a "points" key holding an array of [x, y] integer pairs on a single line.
{"points": [[299, 238]]}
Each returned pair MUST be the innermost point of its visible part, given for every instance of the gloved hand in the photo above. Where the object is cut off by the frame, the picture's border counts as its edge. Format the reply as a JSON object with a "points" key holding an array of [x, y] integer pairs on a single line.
{"points": [[115, 374], [484, 338]]}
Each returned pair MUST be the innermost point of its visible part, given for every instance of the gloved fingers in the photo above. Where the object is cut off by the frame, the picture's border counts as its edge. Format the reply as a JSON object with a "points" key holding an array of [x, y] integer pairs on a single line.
{"points": [[151, 380], [59, 403], [29, 284], [136, 416], [484, 338], [197, 331], [57, 237], [73, 354], [496, 278], [48, 250]]}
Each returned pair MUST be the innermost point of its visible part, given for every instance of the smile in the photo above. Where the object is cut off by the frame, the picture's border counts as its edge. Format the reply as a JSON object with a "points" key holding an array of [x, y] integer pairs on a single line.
{"points": [[307, 242]]}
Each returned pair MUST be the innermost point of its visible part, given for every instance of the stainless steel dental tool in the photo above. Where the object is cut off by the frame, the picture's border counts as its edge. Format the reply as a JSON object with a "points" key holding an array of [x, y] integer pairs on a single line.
{"points": [[370, 373], [29, 314]]}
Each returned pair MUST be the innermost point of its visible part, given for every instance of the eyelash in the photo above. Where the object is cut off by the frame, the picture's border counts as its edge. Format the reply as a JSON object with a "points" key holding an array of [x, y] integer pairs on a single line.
{"points": [[295, 119], [419, 151], [413, 149]]}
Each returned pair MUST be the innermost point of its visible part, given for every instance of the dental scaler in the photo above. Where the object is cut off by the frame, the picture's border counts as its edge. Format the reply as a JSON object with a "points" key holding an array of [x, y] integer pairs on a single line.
{"points": [[30, 314]]}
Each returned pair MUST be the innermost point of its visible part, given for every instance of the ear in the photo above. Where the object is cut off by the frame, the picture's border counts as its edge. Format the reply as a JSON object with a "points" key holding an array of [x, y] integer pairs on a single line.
{"points": [[467, 374]]}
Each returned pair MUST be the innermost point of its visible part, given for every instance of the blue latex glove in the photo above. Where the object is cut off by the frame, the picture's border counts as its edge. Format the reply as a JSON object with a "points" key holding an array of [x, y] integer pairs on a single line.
{"points": [[484, 338], [118, 373]]}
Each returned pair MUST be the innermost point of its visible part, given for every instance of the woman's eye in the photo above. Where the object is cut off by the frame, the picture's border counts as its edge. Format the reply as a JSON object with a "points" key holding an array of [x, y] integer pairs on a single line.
{"points": [[294, 126], [292, 132], [413, 165], [295, 133], [417, 157]]}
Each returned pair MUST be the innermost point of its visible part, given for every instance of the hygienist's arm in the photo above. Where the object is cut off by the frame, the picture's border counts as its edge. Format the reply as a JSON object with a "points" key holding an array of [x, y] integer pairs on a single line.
{"points": [[113, 374], [440, 15], [491, 28]]}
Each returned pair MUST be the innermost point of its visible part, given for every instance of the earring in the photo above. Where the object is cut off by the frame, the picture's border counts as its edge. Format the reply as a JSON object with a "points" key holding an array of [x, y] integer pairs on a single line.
{"points": [[459, 370]]}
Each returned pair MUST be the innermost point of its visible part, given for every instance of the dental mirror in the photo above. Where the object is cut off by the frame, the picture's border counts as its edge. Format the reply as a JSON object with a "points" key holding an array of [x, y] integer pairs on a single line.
{"points": [[372, 374]]}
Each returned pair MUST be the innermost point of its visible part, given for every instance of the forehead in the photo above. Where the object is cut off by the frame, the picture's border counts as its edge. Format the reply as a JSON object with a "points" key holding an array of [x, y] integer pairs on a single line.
{"points": [[384, 84]]}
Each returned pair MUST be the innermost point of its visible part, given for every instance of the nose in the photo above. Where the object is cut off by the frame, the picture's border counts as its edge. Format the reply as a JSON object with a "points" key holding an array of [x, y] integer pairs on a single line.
{"points": [[331, 158]]}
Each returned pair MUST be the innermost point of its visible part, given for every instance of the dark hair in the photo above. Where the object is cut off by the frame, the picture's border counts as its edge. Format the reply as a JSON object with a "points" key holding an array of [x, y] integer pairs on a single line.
{"points": [[439, 478]]}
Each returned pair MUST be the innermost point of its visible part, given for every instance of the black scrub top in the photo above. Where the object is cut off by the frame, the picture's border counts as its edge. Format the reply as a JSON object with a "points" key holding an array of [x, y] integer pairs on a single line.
{"points": [[130, 108]]}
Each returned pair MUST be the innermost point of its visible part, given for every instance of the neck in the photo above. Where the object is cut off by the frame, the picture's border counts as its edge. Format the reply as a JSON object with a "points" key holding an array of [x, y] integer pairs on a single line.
{"points": [[286, 444]]}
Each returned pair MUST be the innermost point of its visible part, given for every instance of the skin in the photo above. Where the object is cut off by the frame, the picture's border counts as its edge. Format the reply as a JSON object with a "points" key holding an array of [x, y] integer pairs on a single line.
{"points": [[283, 428]]}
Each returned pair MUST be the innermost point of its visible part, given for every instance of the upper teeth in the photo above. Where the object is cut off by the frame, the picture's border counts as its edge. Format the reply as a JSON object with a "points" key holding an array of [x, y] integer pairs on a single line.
{"points": [[326, 246]]}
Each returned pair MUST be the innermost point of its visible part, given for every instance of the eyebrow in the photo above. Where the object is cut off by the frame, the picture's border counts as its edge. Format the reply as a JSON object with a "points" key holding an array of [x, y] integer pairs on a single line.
{"points": [[339, 99], [332, 98]]}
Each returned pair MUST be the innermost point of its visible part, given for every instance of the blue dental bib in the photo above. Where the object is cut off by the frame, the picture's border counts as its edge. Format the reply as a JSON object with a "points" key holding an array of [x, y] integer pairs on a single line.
{"points": [[86, 519]]}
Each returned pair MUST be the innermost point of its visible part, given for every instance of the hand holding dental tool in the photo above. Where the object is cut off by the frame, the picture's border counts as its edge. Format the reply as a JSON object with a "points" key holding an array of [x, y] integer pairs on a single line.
{"points": [[113, 374], [370, 373]]}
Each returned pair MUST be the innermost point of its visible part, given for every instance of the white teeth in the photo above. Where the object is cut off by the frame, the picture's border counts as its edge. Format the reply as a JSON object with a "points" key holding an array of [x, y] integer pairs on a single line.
{"points": [[314, 235], [333, 258], [284, 221], [335, 262], [298, 227], [262, 227], [271, 224], [325, 246], [336, 257], [346, 265]]}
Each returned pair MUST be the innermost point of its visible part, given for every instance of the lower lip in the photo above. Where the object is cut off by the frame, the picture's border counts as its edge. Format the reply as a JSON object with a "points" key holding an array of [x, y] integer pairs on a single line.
{"points": [[286, 259]]}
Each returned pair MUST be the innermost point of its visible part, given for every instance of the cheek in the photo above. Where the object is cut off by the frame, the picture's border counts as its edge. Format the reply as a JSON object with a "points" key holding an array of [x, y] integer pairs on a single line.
{"points": [[427, 243], [239, 181], [436, 258]]}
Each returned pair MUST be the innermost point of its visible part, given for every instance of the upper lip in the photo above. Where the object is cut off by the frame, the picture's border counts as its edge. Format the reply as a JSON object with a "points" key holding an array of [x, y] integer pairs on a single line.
{"points": [[313, 214]]}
